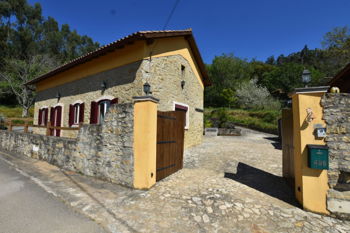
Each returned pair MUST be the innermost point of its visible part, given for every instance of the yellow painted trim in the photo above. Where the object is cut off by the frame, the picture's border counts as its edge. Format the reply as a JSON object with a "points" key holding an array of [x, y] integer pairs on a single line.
{"points": [[120, 57], [145, 142]]}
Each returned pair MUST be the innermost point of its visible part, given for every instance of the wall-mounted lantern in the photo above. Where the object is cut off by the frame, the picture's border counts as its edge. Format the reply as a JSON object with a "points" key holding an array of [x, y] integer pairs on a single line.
{"points": [[306, 77], [183, 84], [103, 85], [147, 88], [58, 95]]}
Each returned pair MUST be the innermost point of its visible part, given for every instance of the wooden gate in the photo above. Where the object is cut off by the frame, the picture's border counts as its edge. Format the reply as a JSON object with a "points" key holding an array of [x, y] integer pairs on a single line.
{"points": [[288, 146], [170, 143]]}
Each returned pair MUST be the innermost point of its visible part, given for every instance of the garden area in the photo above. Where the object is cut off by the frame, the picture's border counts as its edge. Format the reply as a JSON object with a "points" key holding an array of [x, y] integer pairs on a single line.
{"points": [[261, 120]]}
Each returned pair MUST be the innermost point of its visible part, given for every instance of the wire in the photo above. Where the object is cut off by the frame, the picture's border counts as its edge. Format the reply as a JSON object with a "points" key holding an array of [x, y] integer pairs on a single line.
{"points": [[165, 25], [171, 14]]}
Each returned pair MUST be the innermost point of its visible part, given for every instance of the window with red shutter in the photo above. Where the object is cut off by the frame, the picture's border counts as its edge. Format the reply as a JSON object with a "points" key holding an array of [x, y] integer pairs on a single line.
{"points": [[46, 115], [81, 113], [114, 101], [40, 116], [94, 113], [52, 115], [71, 115]]}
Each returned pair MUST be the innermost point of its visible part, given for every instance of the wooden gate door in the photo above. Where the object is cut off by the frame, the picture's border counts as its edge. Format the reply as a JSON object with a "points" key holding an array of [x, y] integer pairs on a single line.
{"points": [[170, 143]]}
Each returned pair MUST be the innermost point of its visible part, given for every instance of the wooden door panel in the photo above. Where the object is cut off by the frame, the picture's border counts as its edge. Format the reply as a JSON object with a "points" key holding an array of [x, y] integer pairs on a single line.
{"points": [[170, 136]]}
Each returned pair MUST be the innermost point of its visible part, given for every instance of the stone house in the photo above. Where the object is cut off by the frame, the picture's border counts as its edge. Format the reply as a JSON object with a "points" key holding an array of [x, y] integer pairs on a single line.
{"points": [[82, 90]]}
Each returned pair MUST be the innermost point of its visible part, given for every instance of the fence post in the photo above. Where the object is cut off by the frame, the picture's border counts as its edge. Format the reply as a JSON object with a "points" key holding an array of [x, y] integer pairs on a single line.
{"points": [[10, 125], [26, 126], [48, 126]]}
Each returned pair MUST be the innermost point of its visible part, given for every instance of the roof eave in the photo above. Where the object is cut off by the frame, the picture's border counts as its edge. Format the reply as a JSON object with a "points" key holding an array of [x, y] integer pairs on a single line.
{"points": [[142, 35]]}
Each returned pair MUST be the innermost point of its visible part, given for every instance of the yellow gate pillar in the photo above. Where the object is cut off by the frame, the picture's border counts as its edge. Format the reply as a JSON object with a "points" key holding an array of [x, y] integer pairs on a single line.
{"points": [[311, 185], [145, 141]]}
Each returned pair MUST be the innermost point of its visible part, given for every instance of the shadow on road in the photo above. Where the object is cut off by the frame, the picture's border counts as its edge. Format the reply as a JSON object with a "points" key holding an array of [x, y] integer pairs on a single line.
{"points": [[272, 185], [275, 142]]}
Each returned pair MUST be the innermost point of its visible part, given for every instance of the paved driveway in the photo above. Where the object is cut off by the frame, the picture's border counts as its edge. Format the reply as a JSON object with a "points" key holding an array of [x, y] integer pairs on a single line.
{"points": [[25, 207]]}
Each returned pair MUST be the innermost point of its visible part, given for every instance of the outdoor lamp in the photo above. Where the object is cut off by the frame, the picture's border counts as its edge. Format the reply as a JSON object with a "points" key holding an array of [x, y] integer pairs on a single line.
{"points": [[104, 85], [147, 88], [306, 77], [183, 84]]}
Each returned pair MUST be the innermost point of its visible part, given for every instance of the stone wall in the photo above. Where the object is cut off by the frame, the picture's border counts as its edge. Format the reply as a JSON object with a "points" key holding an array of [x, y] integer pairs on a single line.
{"points": [[164, 75], [104, 151], [336, 113], [122, 83]]}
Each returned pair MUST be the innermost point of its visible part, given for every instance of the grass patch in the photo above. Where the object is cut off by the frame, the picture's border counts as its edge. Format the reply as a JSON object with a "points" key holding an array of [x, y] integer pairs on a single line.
{"points": [[261, 120], [14, 111]]}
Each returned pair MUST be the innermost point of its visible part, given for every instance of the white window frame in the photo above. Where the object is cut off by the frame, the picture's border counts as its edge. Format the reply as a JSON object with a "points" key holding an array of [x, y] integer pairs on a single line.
{"points": [[76, 115], [187, 125], [105, 97]]}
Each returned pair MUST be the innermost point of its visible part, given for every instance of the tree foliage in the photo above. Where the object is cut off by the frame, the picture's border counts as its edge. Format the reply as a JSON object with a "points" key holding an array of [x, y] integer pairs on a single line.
{"points": [[250, 95], [226, 72], [278, 75], [26, 34], [18, 72]]}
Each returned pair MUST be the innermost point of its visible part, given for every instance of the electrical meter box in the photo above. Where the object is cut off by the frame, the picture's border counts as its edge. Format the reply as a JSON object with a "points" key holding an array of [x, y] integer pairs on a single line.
{"points": [[318, 157]]}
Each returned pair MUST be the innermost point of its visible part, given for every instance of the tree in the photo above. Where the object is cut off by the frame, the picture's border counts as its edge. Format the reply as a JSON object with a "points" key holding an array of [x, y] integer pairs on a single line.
{"points": [[229, 96], [288, 76], [336, 38], [226, 72], [270, 60], [252, 96], [18, 72], [26, 33]]}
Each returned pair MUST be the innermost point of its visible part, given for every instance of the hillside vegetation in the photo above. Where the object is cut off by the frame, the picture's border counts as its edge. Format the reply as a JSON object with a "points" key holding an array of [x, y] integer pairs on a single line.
{"points": [[261, 120]]}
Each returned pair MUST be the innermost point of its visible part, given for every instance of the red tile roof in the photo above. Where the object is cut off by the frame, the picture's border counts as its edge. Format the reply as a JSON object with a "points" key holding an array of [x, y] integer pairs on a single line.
{"points": [[141, 35]]}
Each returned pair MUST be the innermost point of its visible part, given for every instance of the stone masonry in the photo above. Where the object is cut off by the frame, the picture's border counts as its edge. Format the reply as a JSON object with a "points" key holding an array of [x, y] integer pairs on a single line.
{"points": [[336, 113], [164, 75], [104, 151]]}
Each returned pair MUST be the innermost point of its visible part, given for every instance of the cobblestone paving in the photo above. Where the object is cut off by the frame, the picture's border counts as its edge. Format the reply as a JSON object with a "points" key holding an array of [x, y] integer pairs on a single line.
{"points": [[251, 197], [229, 184]]}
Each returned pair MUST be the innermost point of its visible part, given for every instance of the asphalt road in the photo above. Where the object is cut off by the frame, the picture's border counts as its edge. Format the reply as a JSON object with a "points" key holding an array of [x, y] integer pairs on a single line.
{"points": [[26, 207]]}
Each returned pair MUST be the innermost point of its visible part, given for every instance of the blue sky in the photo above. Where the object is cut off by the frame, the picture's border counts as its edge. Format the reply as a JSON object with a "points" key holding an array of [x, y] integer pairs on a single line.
{"points": [[246, 28]]}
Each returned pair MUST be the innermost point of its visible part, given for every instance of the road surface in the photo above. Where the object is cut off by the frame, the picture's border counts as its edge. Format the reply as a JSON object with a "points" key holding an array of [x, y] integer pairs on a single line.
{"points": [[26, 207]]}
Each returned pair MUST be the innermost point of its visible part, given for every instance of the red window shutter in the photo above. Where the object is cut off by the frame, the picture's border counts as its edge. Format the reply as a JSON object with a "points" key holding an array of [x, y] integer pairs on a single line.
{"points": [[81, 113], [94, 113], [59, 118], [40, 116], [52, 116], [114, 101], [46, 116], [71, 115]]}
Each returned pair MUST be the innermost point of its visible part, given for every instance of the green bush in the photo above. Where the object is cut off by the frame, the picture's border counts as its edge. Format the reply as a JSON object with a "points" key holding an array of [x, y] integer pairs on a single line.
{"points": [[8, 111], [262, 120]]}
